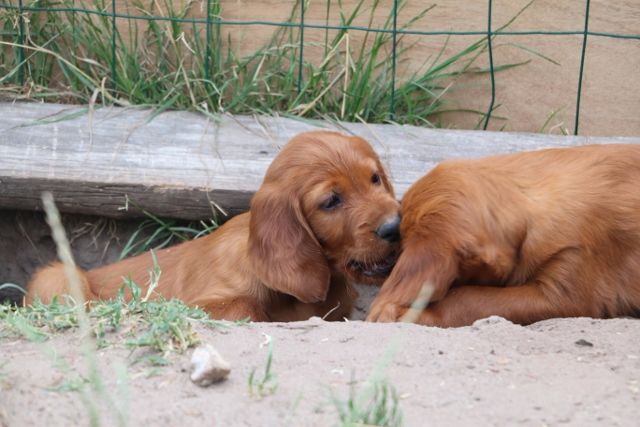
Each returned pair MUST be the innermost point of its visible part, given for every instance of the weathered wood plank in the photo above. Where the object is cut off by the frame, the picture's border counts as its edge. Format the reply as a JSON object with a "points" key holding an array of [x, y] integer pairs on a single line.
{"points": [[180, 164]]}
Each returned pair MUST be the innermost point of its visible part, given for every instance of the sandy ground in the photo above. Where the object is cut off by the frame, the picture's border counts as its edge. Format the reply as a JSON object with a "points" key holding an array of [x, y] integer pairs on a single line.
{"points": [[580, 372], [494, 373]]}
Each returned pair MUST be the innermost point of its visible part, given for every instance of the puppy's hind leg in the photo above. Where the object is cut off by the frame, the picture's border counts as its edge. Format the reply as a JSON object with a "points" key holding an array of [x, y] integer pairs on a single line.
{"points": [[236, 309], [52, 281], [558, 291], [462, 306]]}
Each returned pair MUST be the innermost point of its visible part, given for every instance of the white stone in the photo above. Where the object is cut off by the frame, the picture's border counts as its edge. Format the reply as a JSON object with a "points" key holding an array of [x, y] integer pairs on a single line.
{"points": [[208, 366]]}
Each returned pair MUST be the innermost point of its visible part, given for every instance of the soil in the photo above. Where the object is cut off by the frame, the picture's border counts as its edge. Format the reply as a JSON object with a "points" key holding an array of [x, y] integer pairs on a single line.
{"points": [[26, 244], [580, 372]]}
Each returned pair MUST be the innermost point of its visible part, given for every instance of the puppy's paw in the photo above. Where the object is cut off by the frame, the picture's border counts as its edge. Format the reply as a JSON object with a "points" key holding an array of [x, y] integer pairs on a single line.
{"points": [[426, 317], [391, 312], [385, 312]]}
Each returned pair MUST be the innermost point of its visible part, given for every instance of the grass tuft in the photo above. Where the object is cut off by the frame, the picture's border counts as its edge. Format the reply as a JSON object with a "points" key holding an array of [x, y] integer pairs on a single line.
{"points": [[158, 233], [267, 384], [376, 404], [64, 54], [162, 326]]}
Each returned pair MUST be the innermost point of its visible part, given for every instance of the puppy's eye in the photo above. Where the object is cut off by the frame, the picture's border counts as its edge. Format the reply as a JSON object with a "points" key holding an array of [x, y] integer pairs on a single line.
{"points": [[332, 202], [375, 178]]}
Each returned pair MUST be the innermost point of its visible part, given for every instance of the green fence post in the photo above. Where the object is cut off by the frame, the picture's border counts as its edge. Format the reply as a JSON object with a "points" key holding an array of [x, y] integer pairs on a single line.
{"points": [[207, 54], [584, 50], [394, 36], [491, 70], [114, 76], [21, 43], [301, 49]]}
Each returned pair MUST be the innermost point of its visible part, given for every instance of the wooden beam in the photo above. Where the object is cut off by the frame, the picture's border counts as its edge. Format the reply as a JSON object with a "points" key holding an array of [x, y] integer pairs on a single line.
{"points": [[116, 161]]}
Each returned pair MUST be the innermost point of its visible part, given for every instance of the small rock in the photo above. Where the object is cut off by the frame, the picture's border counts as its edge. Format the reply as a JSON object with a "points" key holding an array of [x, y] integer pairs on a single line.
{"points": [[208, 366], [584, 343], [315, 320], [503, 360], [491, 320]]}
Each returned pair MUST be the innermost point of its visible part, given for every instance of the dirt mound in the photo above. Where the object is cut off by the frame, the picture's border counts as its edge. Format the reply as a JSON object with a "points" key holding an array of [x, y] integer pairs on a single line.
{"points": [[566, 371]]}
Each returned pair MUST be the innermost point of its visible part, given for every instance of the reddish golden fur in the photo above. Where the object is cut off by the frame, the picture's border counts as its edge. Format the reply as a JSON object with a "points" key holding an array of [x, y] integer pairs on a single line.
{"points": [[529, 236], [284, 260]]}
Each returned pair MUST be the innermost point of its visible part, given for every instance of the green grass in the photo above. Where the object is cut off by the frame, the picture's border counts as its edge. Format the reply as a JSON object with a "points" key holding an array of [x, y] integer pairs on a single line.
{"points": [[157, 327], [157, 233], [162, 326], [139, 321], [376, 403], [66, 56], [267, 383]]}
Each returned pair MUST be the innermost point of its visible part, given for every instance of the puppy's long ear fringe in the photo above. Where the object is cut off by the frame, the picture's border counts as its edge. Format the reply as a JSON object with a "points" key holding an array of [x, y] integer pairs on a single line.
{"points": [[385, 178], [284, 253]]}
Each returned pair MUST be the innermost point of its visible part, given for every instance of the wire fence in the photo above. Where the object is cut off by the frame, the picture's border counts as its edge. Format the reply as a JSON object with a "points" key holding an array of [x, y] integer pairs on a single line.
{"points": [[213, 21]]}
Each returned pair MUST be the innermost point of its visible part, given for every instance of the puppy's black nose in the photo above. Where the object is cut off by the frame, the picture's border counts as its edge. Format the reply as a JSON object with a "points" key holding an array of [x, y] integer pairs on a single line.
{"points": [[390, 229]]}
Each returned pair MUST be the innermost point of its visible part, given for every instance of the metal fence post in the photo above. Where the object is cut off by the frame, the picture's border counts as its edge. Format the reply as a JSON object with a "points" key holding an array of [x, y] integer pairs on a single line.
{"points": [[21, 56], [394, 35], [584, 50], [491, 70], [207, 54], [114, 29], [301, 48]]}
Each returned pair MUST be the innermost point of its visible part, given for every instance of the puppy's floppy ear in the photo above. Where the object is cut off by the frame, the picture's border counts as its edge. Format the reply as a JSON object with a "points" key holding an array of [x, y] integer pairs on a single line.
{"points": [[283, 250], [385, 178]]}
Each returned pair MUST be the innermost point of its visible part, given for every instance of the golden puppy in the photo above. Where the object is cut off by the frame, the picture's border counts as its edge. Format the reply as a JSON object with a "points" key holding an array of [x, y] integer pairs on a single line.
{"points": [[528, 236], [324, 215]]}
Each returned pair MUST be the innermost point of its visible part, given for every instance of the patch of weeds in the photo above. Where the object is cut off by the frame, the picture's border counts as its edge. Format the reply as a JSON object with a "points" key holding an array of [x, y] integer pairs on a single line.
{"points": [[38, 321], [67, 57], [163, 326], [376, 404], [267, 384], [156, 233]]}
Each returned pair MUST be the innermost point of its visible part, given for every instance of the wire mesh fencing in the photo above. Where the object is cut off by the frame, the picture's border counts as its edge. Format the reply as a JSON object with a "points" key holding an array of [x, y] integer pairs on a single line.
{"points": [[32, 46]]}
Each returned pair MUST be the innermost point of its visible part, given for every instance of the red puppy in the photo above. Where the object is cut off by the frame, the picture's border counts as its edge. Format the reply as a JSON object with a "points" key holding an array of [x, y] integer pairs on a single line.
{"points": [[528, 236], [324, 215]]}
